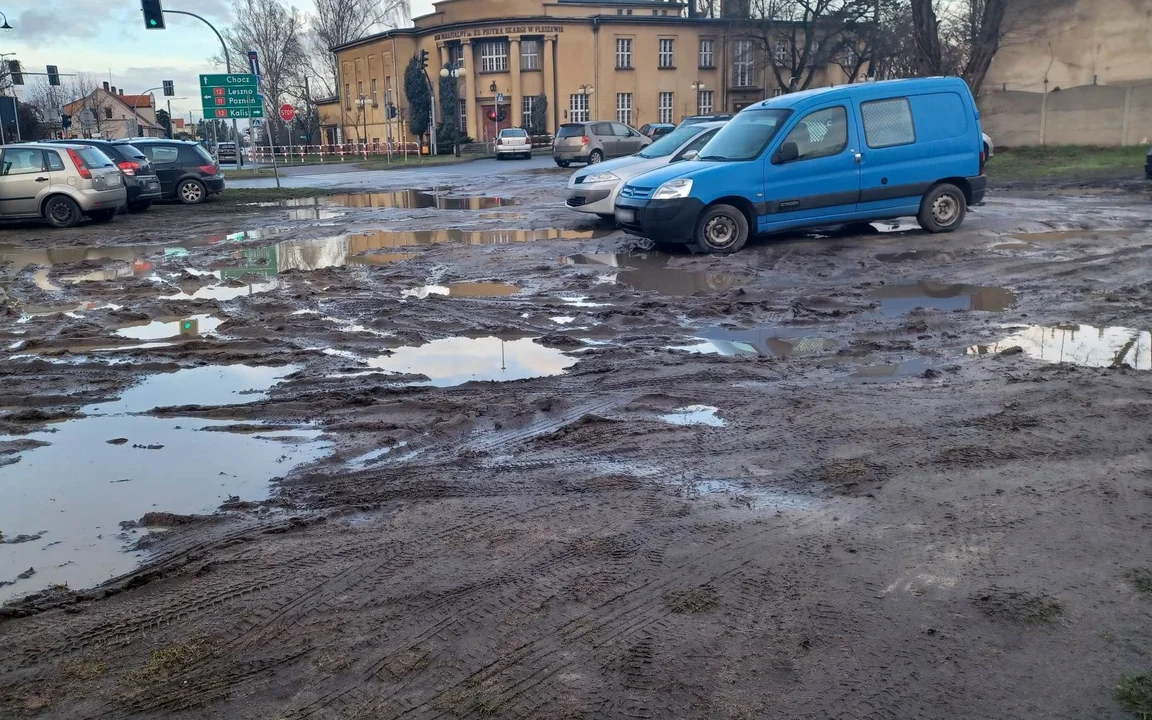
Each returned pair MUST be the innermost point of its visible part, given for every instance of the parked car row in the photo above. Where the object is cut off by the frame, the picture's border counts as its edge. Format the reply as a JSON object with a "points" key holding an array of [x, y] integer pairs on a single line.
{"points": [[64, 181], [833, 156]]}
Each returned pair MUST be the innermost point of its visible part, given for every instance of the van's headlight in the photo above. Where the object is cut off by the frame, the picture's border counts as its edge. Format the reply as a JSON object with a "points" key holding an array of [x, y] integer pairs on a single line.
{"points": [[600, 177], [673, 189]]}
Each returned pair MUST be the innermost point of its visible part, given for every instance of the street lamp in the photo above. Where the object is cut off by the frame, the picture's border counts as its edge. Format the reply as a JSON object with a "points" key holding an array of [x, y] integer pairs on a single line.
{"points": [[452, 70], [5, 26], [586, 90], [697, 87]]}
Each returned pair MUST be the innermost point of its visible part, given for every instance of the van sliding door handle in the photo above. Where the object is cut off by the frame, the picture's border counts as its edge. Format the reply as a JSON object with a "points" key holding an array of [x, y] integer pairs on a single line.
{"points": [[859, 158]]}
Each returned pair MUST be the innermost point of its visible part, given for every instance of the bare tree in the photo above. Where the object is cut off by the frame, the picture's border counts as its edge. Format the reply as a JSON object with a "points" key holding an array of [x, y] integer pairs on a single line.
{"points": [[83, 92], [340, 21], [799, 39], [273, 31]]}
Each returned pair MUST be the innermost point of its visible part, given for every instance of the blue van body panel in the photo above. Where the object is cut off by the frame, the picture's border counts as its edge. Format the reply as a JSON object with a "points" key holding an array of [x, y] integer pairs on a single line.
{"points": [[902, 138]]}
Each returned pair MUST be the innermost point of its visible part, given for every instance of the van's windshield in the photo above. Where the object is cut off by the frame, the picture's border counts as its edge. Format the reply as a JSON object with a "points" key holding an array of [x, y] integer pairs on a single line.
{"points": [[745, 136], [670, 143]]}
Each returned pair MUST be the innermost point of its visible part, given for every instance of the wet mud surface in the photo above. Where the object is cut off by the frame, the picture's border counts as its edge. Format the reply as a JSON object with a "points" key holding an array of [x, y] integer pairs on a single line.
{"points": [[436, 453]]}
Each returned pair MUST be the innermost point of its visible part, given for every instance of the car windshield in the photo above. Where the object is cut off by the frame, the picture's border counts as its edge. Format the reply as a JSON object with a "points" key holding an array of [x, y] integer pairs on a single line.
{"points": [[94, 157], [669, 143], [745, 136], [513, 132], [567, 131]]}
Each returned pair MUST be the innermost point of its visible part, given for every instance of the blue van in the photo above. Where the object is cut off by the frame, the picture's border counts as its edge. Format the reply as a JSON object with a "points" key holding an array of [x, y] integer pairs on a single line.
{"points": [[820, 157]]}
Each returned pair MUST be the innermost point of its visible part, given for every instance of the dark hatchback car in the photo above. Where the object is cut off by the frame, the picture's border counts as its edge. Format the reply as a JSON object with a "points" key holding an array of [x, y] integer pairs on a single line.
{"points": [[187, 172], [656, 130], [139, 177]]}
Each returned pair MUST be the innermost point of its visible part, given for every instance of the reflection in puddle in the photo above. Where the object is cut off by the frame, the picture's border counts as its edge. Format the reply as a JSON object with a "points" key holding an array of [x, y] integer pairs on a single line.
{"points": [[649, 272], [1057, 235], [398, 239], [770, 341], [456, 360], [321, 208], [81, 485], [893, 371], [742, 494], [369, 458], [223, 293], [463, 289], [901, 298], [192, 326], [694, 415], [1086, 345]]}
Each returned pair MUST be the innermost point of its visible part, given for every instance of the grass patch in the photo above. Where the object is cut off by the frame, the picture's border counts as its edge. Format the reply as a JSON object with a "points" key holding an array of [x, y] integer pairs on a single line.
{"points": [[1067, 162], [168, 661], [1140, 579], [696, 600], [83, 670], [413, 161], [1135, 695]]}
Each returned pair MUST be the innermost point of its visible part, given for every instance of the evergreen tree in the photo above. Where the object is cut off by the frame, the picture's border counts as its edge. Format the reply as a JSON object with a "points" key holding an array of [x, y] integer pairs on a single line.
{"points": [[539, 119], [419, 100]]}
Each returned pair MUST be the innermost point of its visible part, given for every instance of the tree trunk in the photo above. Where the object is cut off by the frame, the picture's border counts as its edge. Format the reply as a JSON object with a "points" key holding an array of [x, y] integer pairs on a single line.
{"points": [[927, 31], [985, 43]]}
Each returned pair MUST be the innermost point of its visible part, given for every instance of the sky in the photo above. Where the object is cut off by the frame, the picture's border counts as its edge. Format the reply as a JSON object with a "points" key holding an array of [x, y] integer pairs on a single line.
{"points": [[107, 37]]}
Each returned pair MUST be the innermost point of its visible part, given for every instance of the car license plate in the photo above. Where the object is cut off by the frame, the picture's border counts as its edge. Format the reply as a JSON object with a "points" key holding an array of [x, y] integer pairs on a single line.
{"points": [[625, 215]]}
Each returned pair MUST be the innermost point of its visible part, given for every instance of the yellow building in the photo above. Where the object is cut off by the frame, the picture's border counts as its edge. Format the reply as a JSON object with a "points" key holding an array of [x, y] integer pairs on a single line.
{"points": [[634, 61]]}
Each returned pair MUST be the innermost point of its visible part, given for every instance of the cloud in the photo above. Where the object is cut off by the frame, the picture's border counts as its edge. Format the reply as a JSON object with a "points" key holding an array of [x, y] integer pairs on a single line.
{"points": [[88, 19]]}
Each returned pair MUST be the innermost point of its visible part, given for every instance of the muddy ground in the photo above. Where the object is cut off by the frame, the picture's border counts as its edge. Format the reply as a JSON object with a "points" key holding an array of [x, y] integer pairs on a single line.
{"points": [[522, 469]]}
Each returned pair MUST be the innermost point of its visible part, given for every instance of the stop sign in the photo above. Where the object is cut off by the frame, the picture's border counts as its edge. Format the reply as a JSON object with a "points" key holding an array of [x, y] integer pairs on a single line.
{"points": [[287, 112]]}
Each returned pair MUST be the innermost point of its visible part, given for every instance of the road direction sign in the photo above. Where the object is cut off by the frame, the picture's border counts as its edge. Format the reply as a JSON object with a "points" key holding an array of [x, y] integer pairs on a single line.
{"points": [[287, 112], [232, 95], [252, 111]]}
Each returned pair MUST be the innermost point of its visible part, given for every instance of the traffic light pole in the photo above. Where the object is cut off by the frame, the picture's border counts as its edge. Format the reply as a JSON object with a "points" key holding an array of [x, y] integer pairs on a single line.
{"points": [[228, 66]]}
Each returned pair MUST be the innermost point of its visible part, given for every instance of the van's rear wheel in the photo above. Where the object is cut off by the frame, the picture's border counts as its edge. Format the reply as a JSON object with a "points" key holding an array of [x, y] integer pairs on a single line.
{"points": [[721, 229], [942, 209]]}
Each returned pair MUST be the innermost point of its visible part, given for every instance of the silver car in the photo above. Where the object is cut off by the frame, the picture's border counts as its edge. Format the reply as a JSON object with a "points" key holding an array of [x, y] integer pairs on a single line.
{"points": [[593, 189], [60, 183], [594, 142], [513, 142]]}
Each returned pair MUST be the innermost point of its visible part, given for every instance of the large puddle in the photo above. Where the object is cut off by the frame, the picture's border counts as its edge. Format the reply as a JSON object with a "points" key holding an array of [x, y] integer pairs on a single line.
{"points": [[1086, 345], [380, 239], [323, 208], [650, 272], [903, 297], [116, 464], [457, 360], [463, 289], [768, 341]]}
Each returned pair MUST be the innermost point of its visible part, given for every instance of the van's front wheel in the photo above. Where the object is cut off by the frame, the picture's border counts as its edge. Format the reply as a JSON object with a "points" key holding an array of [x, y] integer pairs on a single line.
{"points": [[942, 209], [721, 229]]}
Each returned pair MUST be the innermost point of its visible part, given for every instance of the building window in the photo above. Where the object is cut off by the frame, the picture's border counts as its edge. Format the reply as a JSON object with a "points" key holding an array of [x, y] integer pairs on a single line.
{"points": [[667, 52], [624, 108], [742, 64], [360, 92], [527, 107], [777, 92], [666, 102], [623, 52], [375, 99], [494, 56], [463, 117], [704, 102], [347, 96], [707, 55], [530, 55], [578, 108], [107, 113], [781, 55], [456, 55]]}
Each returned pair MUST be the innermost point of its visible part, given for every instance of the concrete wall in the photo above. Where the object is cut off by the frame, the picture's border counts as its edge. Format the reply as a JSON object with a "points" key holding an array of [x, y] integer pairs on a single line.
{"points": [[1086, 115]]}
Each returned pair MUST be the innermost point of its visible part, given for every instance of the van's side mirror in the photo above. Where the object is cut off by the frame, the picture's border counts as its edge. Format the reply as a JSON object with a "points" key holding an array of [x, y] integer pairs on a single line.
{"points": [[787, 153], [690, 155]]}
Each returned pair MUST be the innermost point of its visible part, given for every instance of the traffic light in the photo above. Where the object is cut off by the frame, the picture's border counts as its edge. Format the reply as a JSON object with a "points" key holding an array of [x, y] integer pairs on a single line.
{"points": [[14, 71], [424, 60], [65, 121], [392, 111], [53, 75], [153, 14], [169, 89]]}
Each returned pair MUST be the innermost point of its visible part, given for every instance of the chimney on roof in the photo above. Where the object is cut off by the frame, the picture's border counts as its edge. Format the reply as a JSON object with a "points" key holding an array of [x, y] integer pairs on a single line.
{"points": [[121, 91], [105, 86], [113, 90]]}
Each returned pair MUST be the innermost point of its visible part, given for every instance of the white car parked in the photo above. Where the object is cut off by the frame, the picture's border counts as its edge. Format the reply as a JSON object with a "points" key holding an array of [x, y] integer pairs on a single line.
{"points": [[593, 189], [513, 142]]}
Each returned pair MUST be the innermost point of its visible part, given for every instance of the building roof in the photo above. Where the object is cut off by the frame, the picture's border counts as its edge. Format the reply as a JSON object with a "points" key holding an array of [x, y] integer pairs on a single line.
{"points": [[135, 100]]}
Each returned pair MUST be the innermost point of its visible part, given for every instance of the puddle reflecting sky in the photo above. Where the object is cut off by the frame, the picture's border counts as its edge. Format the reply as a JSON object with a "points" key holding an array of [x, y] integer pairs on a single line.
{"points": [[463, 289], [650, 272], [79, 487], [452, 361], [375, 239], [743, 493], [769, 341], [1086, 345], [191, 326], [322, 208], [694, 415], [903, 297]]}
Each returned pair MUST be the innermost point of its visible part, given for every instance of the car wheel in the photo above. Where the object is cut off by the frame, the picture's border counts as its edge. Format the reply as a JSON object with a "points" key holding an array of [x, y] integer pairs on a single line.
{"points": [[594, 157], [721, 229], [942, 209], [140, 206], [191, 192], [61, 211], [562, 163], [103, 216]]}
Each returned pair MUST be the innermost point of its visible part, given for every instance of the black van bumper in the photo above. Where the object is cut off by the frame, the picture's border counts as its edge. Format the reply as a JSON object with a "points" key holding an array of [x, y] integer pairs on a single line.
{"points": [[979, 185], [663, 220]]}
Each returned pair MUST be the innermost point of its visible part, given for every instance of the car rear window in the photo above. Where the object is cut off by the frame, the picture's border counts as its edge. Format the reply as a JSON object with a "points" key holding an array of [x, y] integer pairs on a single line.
{"points": [[130, 152], [94, 157], [513, 132], [203, 154], [567, 131]]}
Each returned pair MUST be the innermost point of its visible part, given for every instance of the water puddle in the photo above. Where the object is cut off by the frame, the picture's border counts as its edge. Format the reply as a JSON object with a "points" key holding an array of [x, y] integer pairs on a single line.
{"points": [[741, 493], [767, 341], [164, 328], [457, 360], [1086, 345], [694, 415], [903, 297], [224, 292], [892, 371], [378, 239], [114, 465], [1058, 235], [323, 208], [463, 289], [650, 272], [910, 256], [360, 462]]}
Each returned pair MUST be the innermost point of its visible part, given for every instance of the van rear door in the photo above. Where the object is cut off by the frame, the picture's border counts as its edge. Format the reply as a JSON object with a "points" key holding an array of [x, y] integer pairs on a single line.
{"points": [[813, 172]]}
